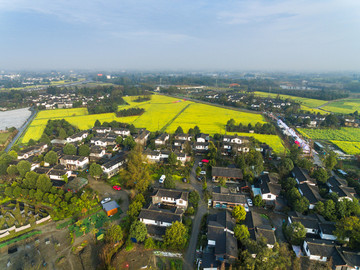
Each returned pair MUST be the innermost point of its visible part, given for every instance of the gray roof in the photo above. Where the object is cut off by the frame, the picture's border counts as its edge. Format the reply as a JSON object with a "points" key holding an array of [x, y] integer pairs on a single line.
{"points": [[171, 193], [310, 192], [115, 160], [309, 223], [301, 174], [223, 195], [110, 206], [159, 215], [268, 184], [327, 228], [156, 230], [227, 172], [267, 232], [222, 219]]}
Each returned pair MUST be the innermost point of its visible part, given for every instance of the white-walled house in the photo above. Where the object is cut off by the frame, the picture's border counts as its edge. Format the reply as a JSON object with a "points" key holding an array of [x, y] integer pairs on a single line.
{"points": [[74, 162], [171, 197], [78, 137]]}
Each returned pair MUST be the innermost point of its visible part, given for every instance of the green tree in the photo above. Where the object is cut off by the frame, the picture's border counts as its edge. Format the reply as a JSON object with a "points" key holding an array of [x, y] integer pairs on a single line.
{"points": [[137, 172], [196, 130], [95, 170], [295, 153], [69, 149], [84, 150], [330, 161], [197, 171], [212, 150], [134, 209], [39, 195], [169, 181], [319, 208], [172, 160], [179, 130], [348, 228], [194, 198], [296, 233], [12, 170], [62, 133], [176, 236], [138, 231], [9, 191], [13, 154], [23, 167], [241, 232], [288, 183], [17, 192], [258, 201], [321, 175], [97, 123], [222, 181], [149, 243], [45, 139], [114, 234], [129, 142], [43, 183], [286, 166], [329, 210], [119, 140], [239, 213], [51, 158]]}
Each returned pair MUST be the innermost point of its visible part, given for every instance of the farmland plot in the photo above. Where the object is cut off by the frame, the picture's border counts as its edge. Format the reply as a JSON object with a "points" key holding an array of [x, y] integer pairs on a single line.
{"points": [[351, 148], [343, 134], [344, 106]]}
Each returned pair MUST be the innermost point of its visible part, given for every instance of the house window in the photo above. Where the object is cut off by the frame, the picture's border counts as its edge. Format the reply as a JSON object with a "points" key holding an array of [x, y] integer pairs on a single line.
{"points": [[269, 196]]}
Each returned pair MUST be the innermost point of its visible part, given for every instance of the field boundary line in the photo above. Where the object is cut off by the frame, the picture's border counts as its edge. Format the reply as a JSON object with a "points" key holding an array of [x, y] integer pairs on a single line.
{"points": [[174, 118]]}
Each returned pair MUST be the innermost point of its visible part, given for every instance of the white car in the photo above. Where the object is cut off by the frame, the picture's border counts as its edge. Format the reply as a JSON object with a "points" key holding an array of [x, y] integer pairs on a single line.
{"points": [[203, 172], [105, 200], [246, 208], [249, 202], [162, 179]]}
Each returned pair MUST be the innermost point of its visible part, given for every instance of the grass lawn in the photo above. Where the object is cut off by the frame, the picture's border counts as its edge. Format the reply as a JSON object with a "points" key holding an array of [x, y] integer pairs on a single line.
{"points": [[344, 134], [4, 137], [309, 102]]}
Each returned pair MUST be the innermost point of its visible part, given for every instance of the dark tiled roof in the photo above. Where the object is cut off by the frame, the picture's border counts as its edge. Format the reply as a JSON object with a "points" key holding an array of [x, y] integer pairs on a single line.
{"points": [[57, 172], [301, 174], [310, 192], [309, 223], [227, 172], [171, 193], [333, 181], [42, 170], [156, 230], [267, 232], [343, 191], [327, 228], [159, 215], [58, 183], [73, 157], [229, 198], [115, 160], [268, 184], [350, 257], [222, 219]]}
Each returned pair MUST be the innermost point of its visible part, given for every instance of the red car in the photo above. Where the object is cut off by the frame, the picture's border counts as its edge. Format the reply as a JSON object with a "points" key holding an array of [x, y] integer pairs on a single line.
{"points": [[117, 187]]}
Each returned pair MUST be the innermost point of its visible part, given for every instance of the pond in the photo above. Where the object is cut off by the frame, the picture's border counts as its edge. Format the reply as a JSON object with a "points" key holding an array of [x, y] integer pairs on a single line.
{"points": [[14, 118]]}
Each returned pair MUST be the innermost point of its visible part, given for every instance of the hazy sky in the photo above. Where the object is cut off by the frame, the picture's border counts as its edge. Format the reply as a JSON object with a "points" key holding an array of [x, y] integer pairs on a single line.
{"points": [[184, 34]]}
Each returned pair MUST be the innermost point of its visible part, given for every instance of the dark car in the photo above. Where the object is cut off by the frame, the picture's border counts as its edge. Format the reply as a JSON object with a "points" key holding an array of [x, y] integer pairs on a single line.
{"points": [[184, 180]]}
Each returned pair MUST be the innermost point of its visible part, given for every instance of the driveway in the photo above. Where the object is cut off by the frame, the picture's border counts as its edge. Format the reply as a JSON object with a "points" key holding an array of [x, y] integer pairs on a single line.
{"points": [[104, 190], [201, 211]]}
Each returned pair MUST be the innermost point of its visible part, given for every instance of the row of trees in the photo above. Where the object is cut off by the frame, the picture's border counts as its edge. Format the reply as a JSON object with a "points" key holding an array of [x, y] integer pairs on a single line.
{"points": [[130, 112], [266, 128]]}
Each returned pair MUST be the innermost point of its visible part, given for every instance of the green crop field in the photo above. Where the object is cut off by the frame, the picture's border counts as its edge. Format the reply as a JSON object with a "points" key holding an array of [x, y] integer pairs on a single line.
{"points": [[161, 112], [4, 136], [343, 134], [309, 102], [343, 106], [312, 110], [351, 148]]}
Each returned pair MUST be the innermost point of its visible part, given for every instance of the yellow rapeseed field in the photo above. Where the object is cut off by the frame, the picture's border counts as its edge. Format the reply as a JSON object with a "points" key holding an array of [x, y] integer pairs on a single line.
{"points": [[160, 112]]}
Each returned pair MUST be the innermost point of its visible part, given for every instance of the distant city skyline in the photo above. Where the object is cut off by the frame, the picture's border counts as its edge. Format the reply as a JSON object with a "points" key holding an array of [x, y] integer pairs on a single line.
{"points": [[267, 35]]}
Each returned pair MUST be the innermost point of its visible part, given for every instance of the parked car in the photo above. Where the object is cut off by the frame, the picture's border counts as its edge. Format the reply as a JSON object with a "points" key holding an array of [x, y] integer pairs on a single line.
{"points": [[200, 164], [162, 179], [209, 202], [105, 200], [117, 187], [198, 178], [203, 172], [249, 202], [184, 180]]}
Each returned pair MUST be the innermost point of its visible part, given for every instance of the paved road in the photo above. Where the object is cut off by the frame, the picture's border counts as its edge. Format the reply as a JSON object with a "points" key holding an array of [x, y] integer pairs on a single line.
{"points": [[21, 130], [201, 211]]}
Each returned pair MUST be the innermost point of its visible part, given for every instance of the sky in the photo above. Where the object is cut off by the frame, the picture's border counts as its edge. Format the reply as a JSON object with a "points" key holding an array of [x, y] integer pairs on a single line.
{"points": [[268, 35]]}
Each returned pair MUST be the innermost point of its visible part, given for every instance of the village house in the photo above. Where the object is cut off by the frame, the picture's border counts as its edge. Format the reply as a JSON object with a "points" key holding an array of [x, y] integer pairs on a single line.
{"points": [[222, 243], [183, 137], [311, 224], [339, 186], [230, 174], [201, 147], [202, 138], [223, 198], [78, 137], [311, 193], [142, 136], [101, 130], [96, 152], [74, 162], [124, 132], [260, 228], [32, 150], [302, 176], [267, 187], [113, 166], [162, 139], [171, 197]]}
